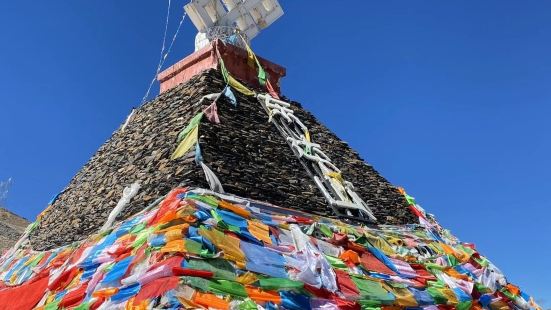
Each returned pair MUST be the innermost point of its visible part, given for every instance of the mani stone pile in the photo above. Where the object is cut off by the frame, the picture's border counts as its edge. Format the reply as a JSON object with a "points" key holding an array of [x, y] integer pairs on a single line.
{"points": [[11, 228], [245, 151]]}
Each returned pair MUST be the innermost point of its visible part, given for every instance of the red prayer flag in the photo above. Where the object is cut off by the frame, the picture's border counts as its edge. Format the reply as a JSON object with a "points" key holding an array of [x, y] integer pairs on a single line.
{"points": [[157, 288], [371, 263], [25, 296]]}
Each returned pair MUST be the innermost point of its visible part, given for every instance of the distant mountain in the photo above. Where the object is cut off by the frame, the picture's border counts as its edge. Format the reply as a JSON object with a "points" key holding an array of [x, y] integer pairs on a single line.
{"points": [[12, 227]]}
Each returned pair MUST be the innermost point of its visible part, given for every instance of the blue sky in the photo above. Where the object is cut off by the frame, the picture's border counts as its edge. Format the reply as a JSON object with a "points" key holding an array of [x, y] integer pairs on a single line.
{"points": [[449, 99]]}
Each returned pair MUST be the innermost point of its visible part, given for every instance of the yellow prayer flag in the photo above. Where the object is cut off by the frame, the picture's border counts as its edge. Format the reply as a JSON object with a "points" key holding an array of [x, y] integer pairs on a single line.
{"points": [[187, 143]]}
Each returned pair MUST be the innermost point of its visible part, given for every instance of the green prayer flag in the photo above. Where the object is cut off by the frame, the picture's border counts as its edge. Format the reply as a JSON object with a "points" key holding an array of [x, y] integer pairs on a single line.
{"points": [[210, 200], [410, 199], [83, 306], [221, 268], [433, 267], [194, 122], [141, 239], [193, 247], [138, 228], [198, 283], [464, 305], [261, 75], [508, 294], [248, 304], [228, 287], [369, 305], [373, 291], [216, 216], [437, 295], [336, 262], [482, 289], [36, 260], [452, 261], [326, 230], [279, 284], [233, 228], [53, 305]]}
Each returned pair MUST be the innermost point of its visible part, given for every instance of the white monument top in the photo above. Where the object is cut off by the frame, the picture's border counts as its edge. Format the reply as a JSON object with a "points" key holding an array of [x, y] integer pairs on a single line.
{"points": [[222, 18]]}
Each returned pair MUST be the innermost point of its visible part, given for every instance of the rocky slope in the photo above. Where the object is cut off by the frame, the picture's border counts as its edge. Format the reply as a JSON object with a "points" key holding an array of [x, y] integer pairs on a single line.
{"points": [[12, 227]]}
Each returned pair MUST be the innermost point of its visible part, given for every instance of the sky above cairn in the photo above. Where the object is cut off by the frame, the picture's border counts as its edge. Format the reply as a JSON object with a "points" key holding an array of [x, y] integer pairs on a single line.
{"points": [[448, 100]]}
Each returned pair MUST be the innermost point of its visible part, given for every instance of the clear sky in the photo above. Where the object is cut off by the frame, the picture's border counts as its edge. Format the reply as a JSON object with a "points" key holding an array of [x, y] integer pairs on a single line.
{"points": [[450, 99]]}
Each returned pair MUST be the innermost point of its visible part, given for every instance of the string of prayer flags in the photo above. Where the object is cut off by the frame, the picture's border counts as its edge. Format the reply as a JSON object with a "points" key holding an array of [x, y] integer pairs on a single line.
{"points": [[211, 112]]}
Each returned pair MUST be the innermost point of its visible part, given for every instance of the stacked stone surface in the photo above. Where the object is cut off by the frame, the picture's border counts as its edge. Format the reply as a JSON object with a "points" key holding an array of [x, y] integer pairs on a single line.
{"points": [[246, 152], [12, 227]]}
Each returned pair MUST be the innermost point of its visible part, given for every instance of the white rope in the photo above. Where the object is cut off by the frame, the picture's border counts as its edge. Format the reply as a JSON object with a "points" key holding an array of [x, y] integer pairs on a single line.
{"points": [[164, 55], [175, 36], [162, 52]]}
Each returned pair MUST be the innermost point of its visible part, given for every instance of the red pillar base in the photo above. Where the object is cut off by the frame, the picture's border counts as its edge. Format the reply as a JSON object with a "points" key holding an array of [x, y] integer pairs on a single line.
{"points": [[235, 60]]}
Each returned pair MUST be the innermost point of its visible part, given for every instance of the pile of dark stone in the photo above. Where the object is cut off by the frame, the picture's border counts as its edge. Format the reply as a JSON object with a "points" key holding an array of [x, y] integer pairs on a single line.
{"points": [[247, 153], [12, 227]]}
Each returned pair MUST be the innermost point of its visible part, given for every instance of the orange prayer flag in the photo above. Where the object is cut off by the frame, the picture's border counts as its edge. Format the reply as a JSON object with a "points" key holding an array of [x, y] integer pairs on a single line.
{"points": [[233, 208], [174, 234], [183, 227], [105, 293], [210, 301], [350, 257], [454, 273], [131, 305], [168, 216], [257, 294], [513, 289], [174, 246], [260, 231]]}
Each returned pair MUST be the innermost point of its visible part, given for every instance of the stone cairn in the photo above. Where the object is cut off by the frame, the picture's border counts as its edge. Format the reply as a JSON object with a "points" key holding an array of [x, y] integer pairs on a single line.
{"points": [[246, 152]]}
